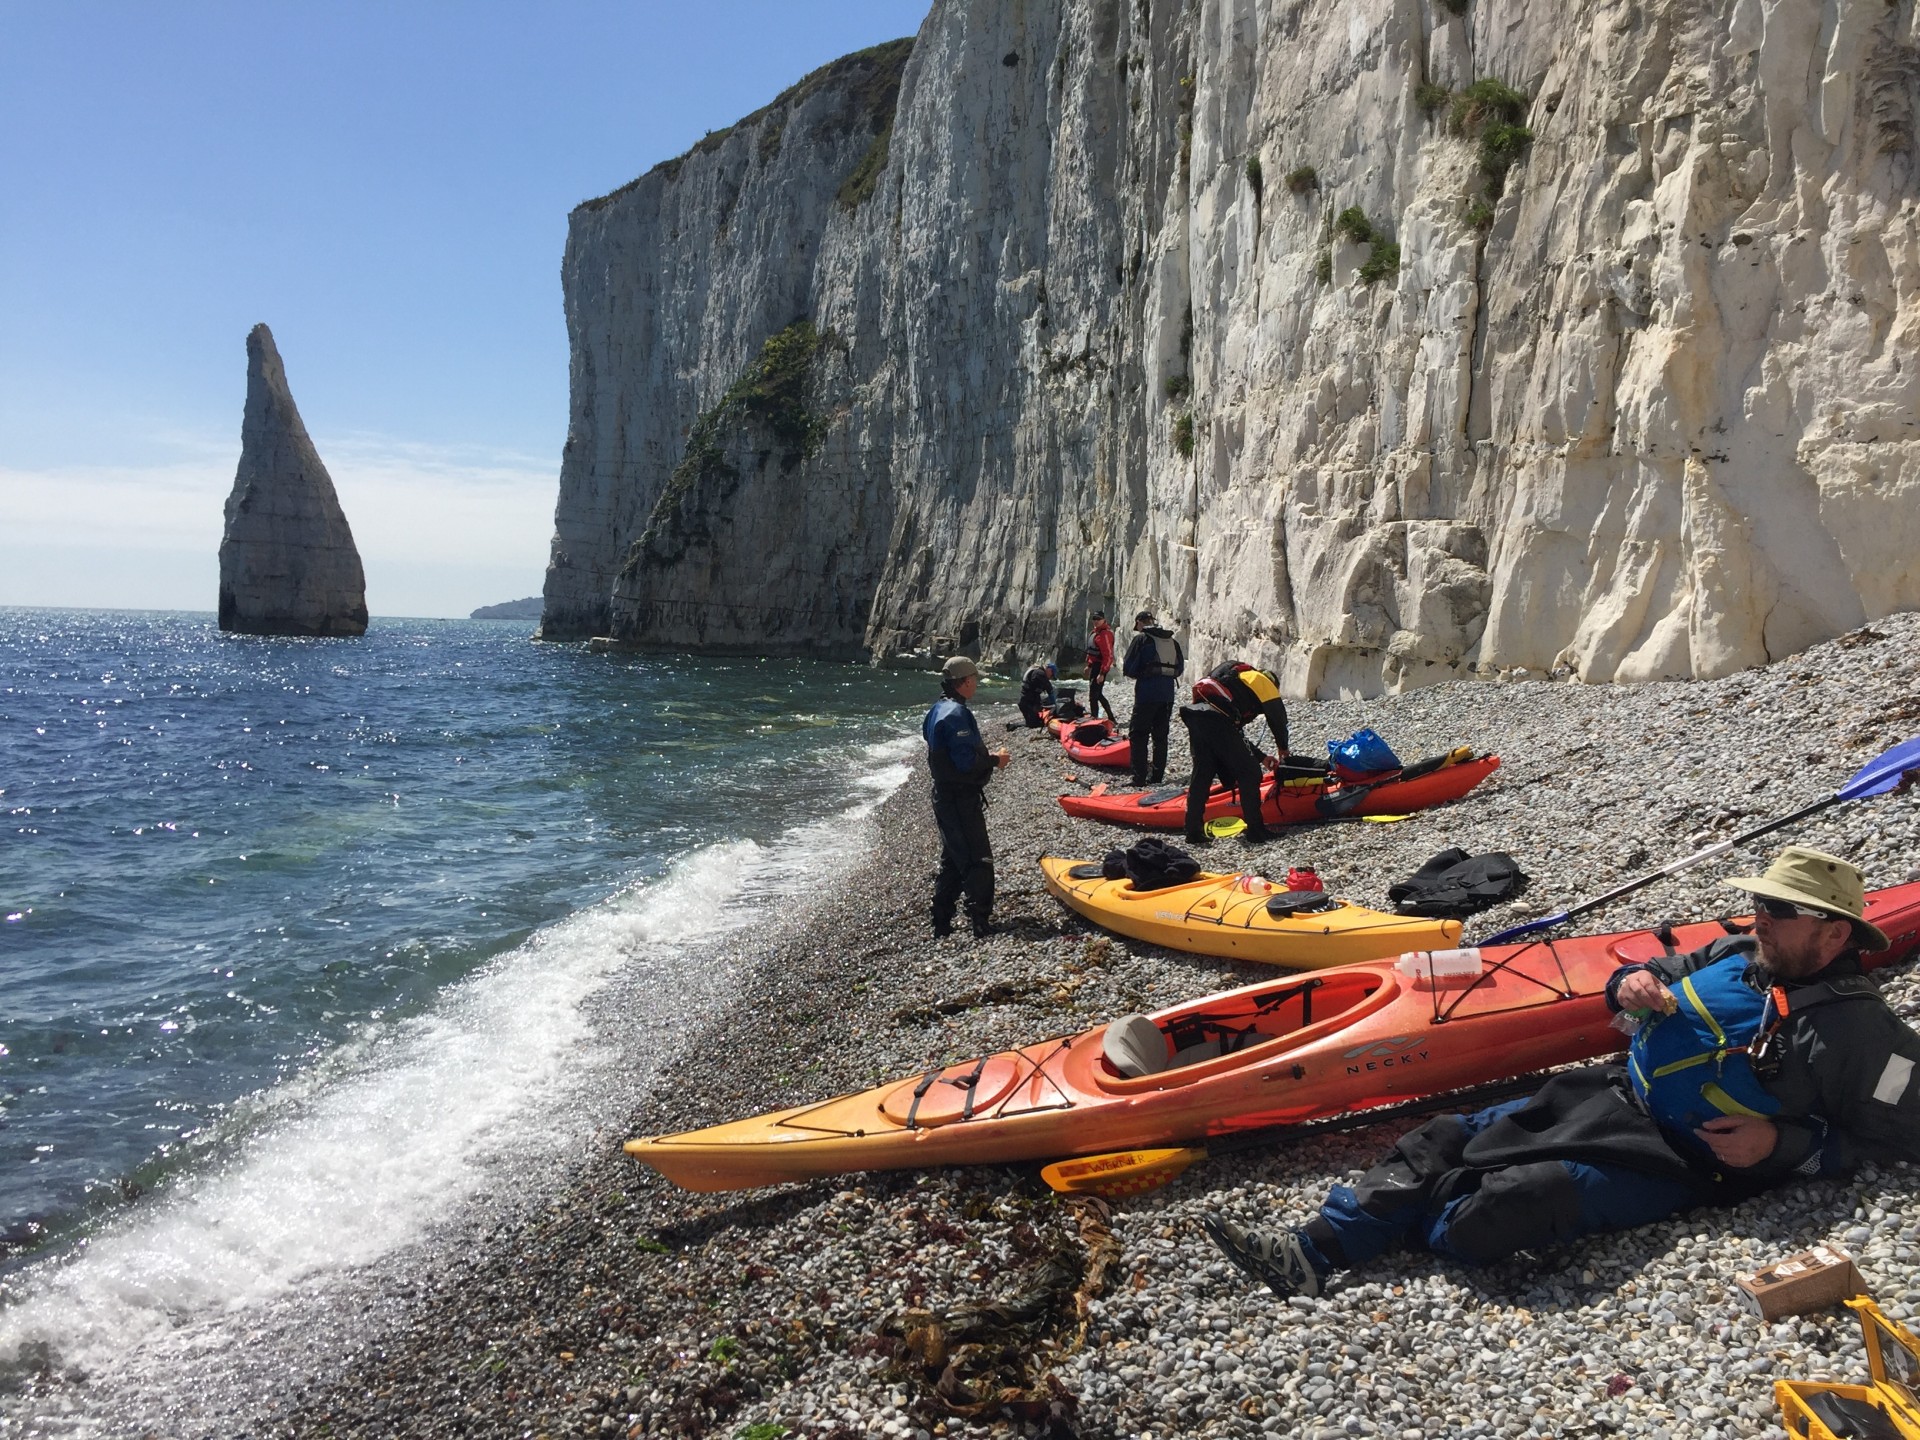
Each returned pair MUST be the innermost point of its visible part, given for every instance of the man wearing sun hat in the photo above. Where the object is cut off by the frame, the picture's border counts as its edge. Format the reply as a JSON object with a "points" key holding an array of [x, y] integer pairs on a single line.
{"points": [[1757, 1058]]}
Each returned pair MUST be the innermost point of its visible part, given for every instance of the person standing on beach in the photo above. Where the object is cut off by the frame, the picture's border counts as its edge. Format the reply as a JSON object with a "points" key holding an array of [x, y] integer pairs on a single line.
{"points": [[961, 765], [1757, 1059], [1226, 700], [1154, 661], [1099, 666]]}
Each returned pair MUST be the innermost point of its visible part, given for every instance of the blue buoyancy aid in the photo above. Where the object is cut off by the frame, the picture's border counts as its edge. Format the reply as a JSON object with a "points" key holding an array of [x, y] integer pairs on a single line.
{"points": [[1691, 1066]]}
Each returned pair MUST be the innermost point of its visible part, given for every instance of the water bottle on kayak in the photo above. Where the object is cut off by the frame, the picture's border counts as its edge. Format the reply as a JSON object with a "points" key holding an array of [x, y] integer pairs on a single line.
{"points": [[1302, 877], [1438, 966]]}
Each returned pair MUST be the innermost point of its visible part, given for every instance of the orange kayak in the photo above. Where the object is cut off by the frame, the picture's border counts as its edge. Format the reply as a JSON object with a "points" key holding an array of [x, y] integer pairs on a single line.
{"points": [[1289, 1050], [1285, 803], [1243, 917], [1111, 750]]}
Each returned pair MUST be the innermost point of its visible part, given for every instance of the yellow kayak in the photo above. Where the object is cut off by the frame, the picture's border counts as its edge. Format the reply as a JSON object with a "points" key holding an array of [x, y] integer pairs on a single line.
{"points": [[1244, 917]]}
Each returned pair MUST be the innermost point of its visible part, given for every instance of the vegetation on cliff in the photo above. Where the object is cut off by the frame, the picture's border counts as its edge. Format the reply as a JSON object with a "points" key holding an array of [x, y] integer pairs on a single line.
{"points": [[769, 396]]}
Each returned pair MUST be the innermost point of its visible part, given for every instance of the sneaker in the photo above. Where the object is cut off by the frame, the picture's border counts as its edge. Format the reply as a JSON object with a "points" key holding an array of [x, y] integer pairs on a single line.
{"points": [[1276, 1258], [942, 928]]}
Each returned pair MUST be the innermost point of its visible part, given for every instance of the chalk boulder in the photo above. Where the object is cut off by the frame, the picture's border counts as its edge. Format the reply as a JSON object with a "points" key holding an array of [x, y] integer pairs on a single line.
{"points": [[288, 565]]}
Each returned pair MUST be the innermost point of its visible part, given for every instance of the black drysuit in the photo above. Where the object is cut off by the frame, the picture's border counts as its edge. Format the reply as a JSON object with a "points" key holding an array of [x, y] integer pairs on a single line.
{"points": [[1583, 1155], [1225, 703], [961, 765]]}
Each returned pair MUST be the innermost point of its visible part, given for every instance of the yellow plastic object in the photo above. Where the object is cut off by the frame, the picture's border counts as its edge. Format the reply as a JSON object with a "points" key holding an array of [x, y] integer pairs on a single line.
{"points": [[1123, 1173], [1893, 1357], [1227, 915], [1223, 827]]}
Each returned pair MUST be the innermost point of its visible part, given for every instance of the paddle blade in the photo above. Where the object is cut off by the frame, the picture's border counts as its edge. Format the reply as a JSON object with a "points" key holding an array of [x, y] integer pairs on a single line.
{"points": [[1882, 773], [1222, 827], [1125, 1172], [1385, 819]]}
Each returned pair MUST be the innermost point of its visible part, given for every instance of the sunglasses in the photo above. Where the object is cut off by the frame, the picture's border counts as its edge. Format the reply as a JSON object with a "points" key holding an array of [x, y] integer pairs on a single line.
{"points": [[1786, 910]]}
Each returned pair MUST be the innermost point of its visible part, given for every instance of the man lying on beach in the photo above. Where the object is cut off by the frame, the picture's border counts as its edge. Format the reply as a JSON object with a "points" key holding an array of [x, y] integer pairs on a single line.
{"points": [[1758, 1058]]}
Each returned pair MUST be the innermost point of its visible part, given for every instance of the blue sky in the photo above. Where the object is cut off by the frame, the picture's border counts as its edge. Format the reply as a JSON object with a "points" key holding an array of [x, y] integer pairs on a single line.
{"points": [[387, 186]]}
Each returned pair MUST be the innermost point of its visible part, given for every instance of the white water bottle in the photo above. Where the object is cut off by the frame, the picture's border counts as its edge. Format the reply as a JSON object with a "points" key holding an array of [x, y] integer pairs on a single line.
{"points": [[1440, 964]]}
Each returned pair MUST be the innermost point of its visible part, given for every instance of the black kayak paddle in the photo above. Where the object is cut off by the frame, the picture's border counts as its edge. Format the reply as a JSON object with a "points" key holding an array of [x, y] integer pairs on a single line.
{"points": [[1885, 772]]}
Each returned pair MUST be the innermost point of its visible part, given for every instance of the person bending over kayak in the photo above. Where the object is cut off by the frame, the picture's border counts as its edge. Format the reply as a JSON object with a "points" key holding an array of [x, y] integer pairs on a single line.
{"points": [[1099, 666], [1036, 693], [1801, 1070], [1154, 660], [961, 765], [1225, 701]]}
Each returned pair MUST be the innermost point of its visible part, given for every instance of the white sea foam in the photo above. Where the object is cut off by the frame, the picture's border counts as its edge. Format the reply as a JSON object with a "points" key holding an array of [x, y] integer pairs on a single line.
{"points": [[365, 1153]]}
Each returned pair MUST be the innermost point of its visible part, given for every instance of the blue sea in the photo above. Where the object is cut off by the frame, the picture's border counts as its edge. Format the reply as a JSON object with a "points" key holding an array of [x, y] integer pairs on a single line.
{"points": [[302, 940]]}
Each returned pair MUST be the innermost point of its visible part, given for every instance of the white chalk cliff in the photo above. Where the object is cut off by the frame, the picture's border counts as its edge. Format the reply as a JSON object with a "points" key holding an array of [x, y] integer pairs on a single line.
{"points": [[288, 565], [1277, 318]]}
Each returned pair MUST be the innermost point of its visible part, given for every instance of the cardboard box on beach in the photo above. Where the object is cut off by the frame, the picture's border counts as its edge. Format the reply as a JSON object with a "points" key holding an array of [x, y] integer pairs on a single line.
{"points": [[1812, 1280]]}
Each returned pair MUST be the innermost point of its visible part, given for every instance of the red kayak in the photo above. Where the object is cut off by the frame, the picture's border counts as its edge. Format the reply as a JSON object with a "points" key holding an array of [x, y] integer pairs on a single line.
{"points": [[1289, 1050], [1107, 748], [1401, 792]]}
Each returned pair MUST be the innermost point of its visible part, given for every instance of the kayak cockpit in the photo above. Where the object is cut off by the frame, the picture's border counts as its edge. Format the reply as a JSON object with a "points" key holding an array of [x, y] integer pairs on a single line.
{"points": [[1241, 1029]]}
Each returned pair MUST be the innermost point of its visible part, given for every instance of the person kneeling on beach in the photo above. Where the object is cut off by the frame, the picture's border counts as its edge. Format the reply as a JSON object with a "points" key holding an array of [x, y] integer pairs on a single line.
{"points": [[961, 765], [1036, 693], [1812, 1074]]}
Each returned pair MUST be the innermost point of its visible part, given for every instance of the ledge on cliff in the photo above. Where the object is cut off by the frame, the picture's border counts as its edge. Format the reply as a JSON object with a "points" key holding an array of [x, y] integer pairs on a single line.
{"points": [[869, 80]]}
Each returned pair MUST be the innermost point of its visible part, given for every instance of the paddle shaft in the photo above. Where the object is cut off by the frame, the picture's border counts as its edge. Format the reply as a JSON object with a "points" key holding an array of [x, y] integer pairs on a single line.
{"points": [[1712, 852]]}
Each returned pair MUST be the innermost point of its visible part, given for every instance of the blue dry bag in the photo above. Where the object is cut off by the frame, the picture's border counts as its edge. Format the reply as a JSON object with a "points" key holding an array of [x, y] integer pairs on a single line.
{"points": [[1691, 1066], [1361, 753]]}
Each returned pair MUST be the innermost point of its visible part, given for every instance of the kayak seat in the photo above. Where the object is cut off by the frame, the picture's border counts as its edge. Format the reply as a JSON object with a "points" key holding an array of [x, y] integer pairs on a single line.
{"points": [[1300, 902], [1135, 1046], [1087, 871]]}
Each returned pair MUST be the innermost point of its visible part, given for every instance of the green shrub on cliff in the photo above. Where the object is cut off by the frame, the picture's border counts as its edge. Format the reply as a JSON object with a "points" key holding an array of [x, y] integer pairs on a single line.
{"points": [[864, 178], [771, 394], [1486, 102], [1382, 262], [1494, 113], [1183, 434], [1352, 224]]}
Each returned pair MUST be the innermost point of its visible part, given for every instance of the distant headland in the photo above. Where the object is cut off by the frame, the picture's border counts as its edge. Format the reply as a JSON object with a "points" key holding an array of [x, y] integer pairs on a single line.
{"points": [[527, 609]]}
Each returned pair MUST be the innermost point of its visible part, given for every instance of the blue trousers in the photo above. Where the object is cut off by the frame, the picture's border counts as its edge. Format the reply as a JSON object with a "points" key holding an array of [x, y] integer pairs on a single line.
{"points": [[1483, 1216]]}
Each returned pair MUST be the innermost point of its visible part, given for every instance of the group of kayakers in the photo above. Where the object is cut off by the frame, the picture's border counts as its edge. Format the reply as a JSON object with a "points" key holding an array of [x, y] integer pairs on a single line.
{"points": [[1789, 1063]]}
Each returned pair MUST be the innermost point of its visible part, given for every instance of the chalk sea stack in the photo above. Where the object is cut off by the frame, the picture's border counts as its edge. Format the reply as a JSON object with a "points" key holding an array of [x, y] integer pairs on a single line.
{"points": [[288, 565]]}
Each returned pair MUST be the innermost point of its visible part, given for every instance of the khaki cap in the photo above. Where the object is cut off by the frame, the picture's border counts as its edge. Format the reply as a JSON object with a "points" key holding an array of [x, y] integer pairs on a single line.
{"points": [[958, 668], [1820, 881]]}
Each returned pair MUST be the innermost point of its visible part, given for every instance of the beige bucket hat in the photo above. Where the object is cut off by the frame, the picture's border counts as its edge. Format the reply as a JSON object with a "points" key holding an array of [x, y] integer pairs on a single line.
{"points": [[1820, 881]]}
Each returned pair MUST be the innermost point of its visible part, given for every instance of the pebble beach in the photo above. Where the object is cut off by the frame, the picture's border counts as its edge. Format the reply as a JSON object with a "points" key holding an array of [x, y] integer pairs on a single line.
{"points": [[604, 1302]]}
